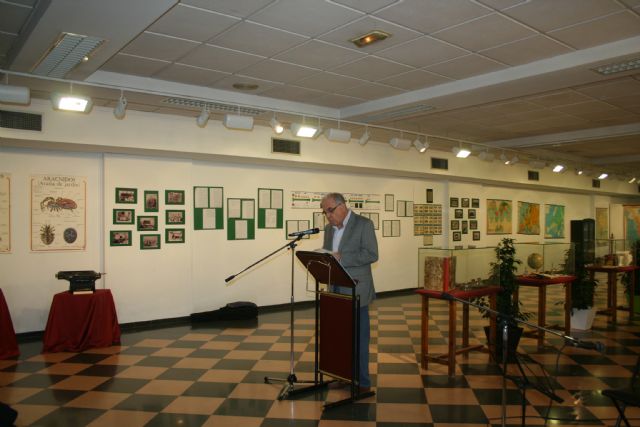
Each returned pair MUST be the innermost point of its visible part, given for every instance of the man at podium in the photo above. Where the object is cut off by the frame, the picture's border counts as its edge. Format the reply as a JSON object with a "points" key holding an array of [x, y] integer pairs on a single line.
{"points": [[352, 240]]}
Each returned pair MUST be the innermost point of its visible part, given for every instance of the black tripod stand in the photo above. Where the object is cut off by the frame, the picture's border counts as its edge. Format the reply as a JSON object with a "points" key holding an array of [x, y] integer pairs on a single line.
{"points": [[292, 379]]}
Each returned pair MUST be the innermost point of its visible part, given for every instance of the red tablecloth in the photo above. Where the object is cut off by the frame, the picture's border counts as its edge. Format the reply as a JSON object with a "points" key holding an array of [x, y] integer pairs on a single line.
{"points": [[8, 343], [79, 322]]}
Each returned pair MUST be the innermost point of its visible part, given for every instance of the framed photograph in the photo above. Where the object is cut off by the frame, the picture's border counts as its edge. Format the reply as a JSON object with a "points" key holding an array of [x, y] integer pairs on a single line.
{"points": [[473, 224], [123, 216], [126, 195], [174, 217], [457, 236], [389, 203], [455, 224], [174, 197], [151, 201], [453, 202], [464, 227], [174, 235], [476, 235], [429, 195], [120, 237], [475, 203], [147, 223], [458, 214], [464, 202], [471, 214], [149, 241]]}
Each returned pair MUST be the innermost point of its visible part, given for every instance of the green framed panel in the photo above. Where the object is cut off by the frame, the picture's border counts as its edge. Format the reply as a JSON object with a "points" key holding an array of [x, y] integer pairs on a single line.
{"points": [[124, 216], [174, 197], [147, 223], [126, 195], [174, 216], [208, 208], [294, 225], [151, 201], [174, 235], [120, 238], [241, 221], [270, 208], [149, 241]]}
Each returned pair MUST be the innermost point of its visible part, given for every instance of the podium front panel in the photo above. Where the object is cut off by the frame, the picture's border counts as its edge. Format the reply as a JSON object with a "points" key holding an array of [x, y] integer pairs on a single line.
{"points": [[336, 336]]}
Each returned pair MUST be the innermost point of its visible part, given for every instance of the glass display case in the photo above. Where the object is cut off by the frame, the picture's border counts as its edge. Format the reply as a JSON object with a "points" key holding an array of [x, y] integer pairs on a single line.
{"points": [[553, 258], [446, 269], [613, 252]]}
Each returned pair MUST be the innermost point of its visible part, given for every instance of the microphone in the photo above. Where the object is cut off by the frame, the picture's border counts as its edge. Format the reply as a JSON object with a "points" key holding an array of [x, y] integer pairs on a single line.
{"points": [[305, 232]]}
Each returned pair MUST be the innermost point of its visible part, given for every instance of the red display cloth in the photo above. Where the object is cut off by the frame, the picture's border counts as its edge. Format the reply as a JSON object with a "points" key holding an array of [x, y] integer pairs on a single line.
{"points": [[79, 322], [8, 343], [459, 293], [532, 280]]}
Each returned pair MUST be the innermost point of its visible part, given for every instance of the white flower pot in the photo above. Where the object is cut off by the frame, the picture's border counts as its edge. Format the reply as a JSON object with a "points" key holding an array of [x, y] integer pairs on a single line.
{"points": [[582, 320]]}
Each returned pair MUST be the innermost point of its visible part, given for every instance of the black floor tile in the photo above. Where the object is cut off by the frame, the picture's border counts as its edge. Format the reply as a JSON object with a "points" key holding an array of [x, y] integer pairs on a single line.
{"points": [[27, 367], [395, 349], [568, 414], [158, 361], [50, 396], [145, 402], [400, 395], [186, 374], [39, 380], [398, 368], [236, 364], [254, 346], [176, 420], [280, 422], [185, 344], [139, 351], [69, 417], [457, 414], [494, 396], [244, 407], [351, 412], [122, 385], [208, 389], [444, 381], [281, 355], [231, 338], [87, 358], [209, 354], [102, 370]]}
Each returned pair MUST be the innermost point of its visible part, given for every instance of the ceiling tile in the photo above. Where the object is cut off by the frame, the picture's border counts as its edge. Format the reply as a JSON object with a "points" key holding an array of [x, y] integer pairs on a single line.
{"points": [[527, 50], [136, 65], [158, 46], [481, 33], [468, 66], [558, 98], [13, 17], [416, 79], [547, 15], [429, 16], [598, 31], [239, 8], [258, 39], [337, 101], [293, 93], [278, 71], [422, 52], [228, 82], [218, 58], [318, 54], [343, 36], [372, 68], [308, 17], [329, 82], [202, 25], [367, 6], [585, 107], [371, 91], [501, 4], [612, 89], [189, 75]]}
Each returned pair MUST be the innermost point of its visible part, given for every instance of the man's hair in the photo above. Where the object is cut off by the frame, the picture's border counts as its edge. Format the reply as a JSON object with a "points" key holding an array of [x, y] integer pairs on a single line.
{"points": [[337, 197]]}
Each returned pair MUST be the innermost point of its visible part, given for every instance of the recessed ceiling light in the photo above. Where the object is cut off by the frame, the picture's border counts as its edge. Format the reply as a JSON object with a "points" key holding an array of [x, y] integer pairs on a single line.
{"points": [[245, 86], [304, 130], [462, 153], [619, 67], [603, 176], [68, 102], [632, 180], [558, 168], [372, 37]]}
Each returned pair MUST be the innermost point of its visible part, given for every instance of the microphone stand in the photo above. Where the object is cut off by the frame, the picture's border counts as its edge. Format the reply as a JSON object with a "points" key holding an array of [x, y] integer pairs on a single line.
{"points": [[505, 320], [291, 379]]}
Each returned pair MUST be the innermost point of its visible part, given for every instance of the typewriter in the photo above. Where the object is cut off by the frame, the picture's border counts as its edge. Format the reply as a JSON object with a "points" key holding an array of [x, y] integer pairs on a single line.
{"points": [[80, 281]]}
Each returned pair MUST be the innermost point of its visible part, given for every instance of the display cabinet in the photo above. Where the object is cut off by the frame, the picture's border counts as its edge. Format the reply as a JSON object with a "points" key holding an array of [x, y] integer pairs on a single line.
{"points": [[552, 258], [447, 269]]}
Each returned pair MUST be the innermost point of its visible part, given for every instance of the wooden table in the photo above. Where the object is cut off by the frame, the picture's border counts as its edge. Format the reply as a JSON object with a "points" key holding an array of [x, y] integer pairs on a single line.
{"points": [[449, 358], [8, 342], [79, 322], [612, 287], [541, 283]]}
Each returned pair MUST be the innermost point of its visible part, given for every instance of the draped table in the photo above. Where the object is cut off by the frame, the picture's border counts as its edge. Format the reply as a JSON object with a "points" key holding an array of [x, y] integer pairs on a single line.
{"points": [[612, 287], [8, 342]]}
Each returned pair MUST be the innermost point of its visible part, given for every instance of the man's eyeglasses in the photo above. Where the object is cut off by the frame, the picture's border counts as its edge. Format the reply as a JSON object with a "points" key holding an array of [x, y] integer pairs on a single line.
{"points": [[329, 211]]}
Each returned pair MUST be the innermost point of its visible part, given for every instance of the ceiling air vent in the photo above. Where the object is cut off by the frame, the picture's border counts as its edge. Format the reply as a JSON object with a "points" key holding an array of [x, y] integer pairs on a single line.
{"points": [[595, 183], [533, 176], [67, 52], [286, 146], [437, 163], [213, 106], [22, 121]]}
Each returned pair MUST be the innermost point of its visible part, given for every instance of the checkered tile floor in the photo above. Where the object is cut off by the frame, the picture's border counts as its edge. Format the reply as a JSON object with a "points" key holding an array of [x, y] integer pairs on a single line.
{"points": [[213, 375]]}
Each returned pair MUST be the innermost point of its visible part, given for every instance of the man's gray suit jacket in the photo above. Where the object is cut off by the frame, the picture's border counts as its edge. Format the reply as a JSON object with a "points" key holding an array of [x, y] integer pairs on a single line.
{"points": [[358, 250]]}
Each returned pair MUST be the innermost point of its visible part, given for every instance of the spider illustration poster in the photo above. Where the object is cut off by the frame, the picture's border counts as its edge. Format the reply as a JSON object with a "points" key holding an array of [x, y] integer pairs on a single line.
{"points": [[58, 213]]}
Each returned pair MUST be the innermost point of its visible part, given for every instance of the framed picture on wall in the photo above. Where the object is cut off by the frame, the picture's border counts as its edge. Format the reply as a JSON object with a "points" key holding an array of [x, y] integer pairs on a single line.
{"points": [[464, 227], [149, 241], [457, 236], [174, 197], [123, 216], [147, 223], [174, 217], [464, 202], [120, 237], [471, 214], [475, 203], [458, 214], [473, 224], [455, 224], [476, 235], [126, 195], [174, 235], [453, 202], [151, 201], [429, 195]]}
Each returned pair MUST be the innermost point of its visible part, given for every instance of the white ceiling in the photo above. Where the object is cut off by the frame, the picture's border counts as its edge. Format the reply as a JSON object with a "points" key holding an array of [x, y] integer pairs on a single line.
{"points": [[504, 73]]}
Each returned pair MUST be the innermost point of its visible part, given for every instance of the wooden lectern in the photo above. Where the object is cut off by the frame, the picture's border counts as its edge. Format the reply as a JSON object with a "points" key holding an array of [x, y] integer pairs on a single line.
{"points": [[337, 320]]}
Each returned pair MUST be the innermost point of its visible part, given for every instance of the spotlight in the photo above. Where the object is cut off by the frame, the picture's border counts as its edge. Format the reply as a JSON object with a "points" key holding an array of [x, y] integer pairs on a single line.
{"points": [[68, 102], [203, 118], [276, 126], [234, 121], [579, 172], [603, 176], [400, 143], [461, 153], [558, 168], [14, 94], [632, 180], [121, 108], [364, 138], [514, 160], [486, 156], [337, 135], [420, 146], [304, 131]]}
